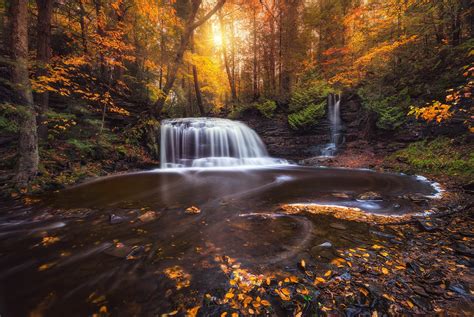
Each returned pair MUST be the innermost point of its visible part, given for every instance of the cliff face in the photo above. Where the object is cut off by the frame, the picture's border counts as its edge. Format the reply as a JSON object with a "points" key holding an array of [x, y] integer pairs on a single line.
{"points": [[284, 142]]}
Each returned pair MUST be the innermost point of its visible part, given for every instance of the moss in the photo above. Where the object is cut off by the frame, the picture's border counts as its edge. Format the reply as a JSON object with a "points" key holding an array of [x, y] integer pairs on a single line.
{"points": [[307, 117], [267, 108], [439, 157]]}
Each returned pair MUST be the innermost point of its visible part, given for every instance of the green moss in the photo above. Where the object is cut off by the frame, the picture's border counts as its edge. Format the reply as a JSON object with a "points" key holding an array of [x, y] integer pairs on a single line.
{"points": [[267, 108], [307, 117], [440, 156], [311, 93], [391, 110]]}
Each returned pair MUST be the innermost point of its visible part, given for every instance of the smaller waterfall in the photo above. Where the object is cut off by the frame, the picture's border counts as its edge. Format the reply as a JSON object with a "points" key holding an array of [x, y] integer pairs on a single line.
{"points": [[334, 116], [211, 142]]}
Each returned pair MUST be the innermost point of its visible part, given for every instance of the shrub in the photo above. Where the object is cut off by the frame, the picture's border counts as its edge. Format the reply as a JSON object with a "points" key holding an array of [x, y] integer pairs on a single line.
{"points": [[309, 94], [84, 147], [391, 110], [267, 108], [307, 117]]}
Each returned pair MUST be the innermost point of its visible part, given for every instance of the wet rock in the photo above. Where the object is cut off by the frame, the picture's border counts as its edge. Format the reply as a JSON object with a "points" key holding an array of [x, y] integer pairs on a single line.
{"points": [[325, 245], [116, 219], [464, 250], [342, 195], [416, 198], [192, 210], [119, 250], [319, 252], [458, 288], [124, 251], [413, 267], [338, 226], [383, 234], [422, 303], [370, 196], [148, 216], [427, 225]]}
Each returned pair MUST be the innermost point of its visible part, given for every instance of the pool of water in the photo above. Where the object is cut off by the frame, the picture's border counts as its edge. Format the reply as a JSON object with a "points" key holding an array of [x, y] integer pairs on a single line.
{"points": [[127, 242]]}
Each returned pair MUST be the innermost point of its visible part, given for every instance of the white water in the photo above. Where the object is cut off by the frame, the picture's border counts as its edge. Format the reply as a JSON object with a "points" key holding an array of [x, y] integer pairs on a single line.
{"points": [[334, 116], [210, 142]]}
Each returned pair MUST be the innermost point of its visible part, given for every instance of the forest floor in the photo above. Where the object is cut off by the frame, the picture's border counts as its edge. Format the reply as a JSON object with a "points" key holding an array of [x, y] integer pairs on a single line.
{"points": [[430, 269]]}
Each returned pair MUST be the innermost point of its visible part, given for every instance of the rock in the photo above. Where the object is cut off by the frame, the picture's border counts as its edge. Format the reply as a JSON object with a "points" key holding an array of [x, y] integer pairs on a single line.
{"points": [[325, 245], [124, 251], [192, 210], [422, 303], [464, 250], [370, 196], [383, 234], [148, 216], [458, 288], [427, 225], [119, 250], [342, 195], [338, 226], [116, 219]]}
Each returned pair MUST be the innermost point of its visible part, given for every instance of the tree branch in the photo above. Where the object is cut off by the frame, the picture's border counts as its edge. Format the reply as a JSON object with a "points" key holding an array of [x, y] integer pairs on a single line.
{"points": [[217, 7]]}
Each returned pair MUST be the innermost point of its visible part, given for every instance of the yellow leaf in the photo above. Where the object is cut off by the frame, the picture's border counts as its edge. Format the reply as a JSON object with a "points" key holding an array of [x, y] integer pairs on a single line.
{"points": [[293, 279], [303, 264], [192, 312], [377, 247], [224, 314], [285, 291], [409, 303], [328, 273], [384, 270], [265, 303], [319, 280], [229, 295]]}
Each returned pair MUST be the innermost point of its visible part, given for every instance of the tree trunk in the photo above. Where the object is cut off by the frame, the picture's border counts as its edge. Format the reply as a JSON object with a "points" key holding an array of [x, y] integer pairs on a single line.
{"points": [[230, 76], [28, 140], [189, 28], [197, 89], [43, 56], [289, 36], [255, 61], [82, 14]]}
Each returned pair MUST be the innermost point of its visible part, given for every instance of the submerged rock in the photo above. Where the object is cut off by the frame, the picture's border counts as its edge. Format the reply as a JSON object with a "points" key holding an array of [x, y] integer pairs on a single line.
{"points": [[193, 210], [116, 219], [370, 196], [148, 216], [338, 226]]}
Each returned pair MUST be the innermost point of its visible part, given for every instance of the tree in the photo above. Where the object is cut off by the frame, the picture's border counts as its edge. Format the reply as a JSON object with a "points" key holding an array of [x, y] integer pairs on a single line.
{"points": [[190, 25], [28, 157], [43, 56]]}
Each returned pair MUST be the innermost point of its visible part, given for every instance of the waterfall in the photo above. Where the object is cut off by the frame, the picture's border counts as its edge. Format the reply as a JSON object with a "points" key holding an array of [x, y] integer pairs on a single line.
{"points": [[334, 117], [211, 142]]}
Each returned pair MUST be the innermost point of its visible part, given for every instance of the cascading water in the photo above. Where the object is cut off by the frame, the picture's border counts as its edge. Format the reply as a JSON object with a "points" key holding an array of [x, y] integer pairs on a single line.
{"points": [[334, 116], [211, 142]]}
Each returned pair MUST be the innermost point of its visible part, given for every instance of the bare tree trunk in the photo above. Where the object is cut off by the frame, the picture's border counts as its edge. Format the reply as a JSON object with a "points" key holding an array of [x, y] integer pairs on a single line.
{"points": [[82, 14], [255, 61], [197, 89], [28, 157], [189, 28], [230, 76], [43, 55], [101, 34], [289, 36]]}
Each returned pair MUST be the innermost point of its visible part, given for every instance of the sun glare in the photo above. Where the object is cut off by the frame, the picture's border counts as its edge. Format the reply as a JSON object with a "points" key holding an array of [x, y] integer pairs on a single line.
{"points": [[217, 38]]}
